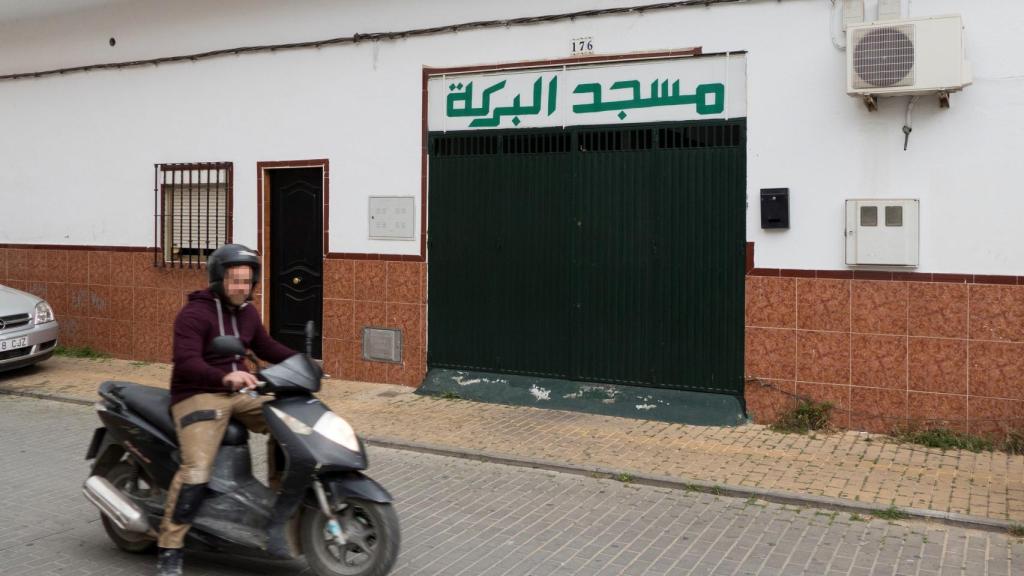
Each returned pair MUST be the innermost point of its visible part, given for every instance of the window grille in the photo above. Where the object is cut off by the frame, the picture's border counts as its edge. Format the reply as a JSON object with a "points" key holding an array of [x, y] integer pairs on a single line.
{"points": [[192, 212], [701, 136], [615, 140], [465, 145], [537, 143]]}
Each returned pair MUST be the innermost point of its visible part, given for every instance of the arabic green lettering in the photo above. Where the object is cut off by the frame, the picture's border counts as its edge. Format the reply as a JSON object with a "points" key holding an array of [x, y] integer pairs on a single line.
{"points": [[661, 95], [657, 98], [633, 85], [595, 106], [516, 109], [538, 93], [487, 96], [718, 90], [538, 90], [598, 106], [487, 122], [466, 98], [679, 99], [495, 118], [552, 95]]}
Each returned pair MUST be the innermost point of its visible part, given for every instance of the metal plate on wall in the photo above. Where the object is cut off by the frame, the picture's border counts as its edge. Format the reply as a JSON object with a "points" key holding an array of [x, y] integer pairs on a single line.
{"points": [[392, 217], [382, 344]]}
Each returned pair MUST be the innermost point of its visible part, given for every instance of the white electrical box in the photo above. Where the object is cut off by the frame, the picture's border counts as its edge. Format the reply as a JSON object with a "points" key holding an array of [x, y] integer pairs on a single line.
{"points": [[392, 217], [882, 231]]}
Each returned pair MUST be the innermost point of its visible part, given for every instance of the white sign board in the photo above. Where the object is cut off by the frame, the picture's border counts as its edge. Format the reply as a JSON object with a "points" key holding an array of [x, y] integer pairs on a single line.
{"points": [[392, 217], [691, 88]]}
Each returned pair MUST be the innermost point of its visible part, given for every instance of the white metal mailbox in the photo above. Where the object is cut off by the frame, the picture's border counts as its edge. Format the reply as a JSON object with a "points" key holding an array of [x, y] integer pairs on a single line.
{"points": [[882, 232]]}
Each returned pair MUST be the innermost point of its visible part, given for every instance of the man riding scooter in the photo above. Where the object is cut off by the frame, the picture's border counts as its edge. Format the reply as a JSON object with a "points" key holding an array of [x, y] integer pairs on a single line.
{"points": [[204, 386]]}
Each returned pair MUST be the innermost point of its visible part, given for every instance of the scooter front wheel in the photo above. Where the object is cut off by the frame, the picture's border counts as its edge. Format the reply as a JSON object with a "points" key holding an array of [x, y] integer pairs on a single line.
{"points": [[372, 534]]}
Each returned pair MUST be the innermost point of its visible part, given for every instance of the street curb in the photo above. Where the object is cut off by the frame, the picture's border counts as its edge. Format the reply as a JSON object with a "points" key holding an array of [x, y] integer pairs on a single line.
{"points": [[46, 396], [640, 478], [776, 496]]}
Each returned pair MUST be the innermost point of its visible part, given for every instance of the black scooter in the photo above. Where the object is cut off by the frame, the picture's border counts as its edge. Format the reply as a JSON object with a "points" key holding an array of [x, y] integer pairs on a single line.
{"points": [[326, 509]]}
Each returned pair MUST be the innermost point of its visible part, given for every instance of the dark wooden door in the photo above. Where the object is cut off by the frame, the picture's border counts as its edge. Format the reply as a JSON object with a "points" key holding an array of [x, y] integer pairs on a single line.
{"points": [[296, 255]]}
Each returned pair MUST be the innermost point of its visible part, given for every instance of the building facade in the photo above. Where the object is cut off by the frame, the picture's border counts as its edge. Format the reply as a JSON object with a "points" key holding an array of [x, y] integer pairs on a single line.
{"points": [[571, 192]]}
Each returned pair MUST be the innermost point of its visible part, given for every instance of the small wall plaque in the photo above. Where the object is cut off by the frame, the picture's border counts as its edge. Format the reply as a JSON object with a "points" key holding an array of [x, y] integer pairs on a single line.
{"points": [[382, 344], [392, 217]]}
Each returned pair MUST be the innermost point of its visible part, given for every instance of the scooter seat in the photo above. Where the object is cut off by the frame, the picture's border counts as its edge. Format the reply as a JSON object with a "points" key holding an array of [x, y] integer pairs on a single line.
{"points": [[154, 405]]}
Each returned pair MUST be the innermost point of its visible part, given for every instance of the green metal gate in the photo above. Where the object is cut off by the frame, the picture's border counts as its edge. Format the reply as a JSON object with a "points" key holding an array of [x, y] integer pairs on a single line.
{"points": [[611, 255]]}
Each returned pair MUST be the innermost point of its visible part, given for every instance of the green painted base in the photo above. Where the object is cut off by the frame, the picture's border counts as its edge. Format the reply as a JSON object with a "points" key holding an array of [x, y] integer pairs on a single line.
{"points": [[679, 406]]}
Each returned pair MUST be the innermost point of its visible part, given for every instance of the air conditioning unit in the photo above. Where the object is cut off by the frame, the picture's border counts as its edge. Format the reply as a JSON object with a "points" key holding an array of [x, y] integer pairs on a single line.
{"points": [[906, 57]]}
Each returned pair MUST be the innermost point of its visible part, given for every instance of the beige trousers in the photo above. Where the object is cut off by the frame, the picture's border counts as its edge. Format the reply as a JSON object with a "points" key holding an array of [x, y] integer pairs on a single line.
{"points": [[199, 439]]}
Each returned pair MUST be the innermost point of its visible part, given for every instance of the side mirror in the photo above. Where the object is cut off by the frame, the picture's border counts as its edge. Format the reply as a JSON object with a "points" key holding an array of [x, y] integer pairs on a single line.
{"points": [[227, 346]]}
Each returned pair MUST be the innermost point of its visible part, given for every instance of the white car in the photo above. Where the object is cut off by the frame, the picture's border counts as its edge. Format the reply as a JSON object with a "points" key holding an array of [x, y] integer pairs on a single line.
{"points": [[28, 329]]}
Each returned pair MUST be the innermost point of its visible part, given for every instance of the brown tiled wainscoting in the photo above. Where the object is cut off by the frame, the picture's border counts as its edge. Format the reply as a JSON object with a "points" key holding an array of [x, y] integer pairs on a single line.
{"points": [[889, 354], [889, 350], [360, 293], [116, 301]]}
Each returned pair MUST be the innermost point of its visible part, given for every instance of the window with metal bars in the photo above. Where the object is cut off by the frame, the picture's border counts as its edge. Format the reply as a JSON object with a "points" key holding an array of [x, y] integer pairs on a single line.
{"points": [[192, 212]]}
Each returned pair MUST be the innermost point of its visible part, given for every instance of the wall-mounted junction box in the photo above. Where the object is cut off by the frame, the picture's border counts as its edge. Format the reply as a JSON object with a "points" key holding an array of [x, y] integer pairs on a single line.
{"points": [[882, 232]]}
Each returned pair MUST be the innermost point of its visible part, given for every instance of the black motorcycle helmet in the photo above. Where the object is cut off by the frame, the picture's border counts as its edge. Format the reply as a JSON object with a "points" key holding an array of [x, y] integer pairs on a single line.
{"points": [[227, 256]]}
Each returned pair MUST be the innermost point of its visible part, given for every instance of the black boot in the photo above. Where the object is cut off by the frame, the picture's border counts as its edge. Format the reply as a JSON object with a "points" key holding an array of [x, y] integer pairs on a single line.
{"points": [[277, 542], [168, 562]]}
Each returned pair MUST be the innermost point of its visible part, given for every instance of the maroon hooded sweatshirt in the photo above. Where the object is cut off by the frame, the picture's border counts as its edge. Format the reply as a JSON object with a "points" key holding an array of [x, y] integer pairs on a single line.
{"points": [[198, 371]]}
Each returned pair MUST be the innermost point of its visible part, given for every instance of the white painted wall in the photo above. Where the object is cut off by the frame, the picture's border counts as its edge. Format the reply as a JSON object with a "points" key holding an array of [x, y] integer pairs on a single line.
{"points": [[77, 151]]}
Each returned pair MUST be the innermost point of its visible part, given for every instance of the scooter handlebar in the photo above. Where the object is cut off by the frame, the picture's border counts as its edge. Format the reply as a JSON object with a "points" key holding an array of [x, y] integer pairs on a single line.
{"points": [[260, 384]]}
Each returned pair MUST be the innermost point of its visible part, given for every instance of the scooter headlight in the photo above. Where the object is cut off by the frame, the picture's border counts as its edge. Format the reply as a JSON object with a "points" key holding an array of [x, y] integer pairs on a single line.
{"points": [[335, 429], [293, 423]]}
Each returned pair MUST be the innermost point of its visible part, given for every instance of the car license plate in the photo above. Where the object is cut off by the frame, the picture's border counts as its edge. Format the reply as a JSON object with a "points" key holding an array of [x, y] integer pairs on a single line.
{"points": [[13, 343]]}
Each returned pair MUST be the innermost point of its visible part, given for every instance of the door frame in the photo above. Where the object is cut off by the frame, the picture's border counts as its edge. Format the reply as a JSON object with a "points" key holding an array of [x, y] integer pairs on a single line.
{"points": [[263, 220]]}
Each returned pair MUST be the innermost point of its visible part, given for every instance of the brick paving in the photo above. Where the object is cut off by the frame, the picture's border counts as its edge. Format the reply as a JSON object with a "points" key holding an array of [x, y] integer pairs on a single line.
{"points": [[852, 466], [463, 517]]}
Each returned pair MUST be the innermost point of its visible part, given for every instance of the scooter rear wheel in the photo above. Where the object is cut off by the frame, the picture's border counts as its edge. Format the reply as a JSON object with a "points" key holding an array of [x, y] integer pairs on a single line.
{"points": [[373, 540], [122, 476]]}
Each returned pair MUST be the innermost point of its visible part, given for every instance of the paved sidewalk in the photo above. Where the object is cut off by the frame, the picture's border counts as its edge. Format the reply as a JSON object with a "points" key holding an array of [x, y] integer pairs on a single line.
{"points": [[846, 469]]}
